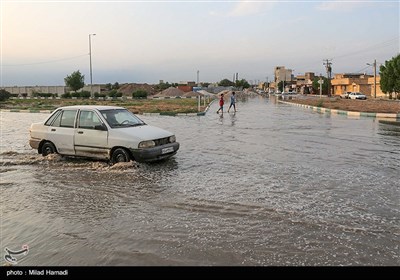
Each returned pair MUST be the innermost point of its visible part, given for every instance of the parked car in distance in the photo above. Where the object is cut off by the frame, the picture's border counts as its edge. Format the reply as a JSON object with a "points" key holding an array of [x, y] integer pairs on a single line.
{"points": [[357, 95], [345, 95], [103, 132]]}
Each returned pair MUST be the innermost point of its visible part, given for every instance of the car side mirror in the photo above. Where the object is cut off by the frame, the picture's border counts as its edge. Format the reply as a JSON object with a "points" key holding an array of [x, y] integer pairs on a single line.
{"points": [[100, 127]]}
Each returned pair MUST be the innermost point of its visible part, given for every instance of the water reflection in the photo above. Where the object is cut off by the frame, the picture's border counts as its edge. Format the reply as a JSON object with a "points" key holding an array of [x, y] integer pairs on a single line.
{"points": [[233, 118], [389, 127]]}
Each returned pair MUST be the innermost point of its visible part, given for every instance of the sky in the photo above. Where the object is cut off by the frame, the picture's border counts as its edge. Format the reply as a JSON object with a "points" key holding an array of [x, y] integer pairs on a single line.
{"points": [[147, 41]]}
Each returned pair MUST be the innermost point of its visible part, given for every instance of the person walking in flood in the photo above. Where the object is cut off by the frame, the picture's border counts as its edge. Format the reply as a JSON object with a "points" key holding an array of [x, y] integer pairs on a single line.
{"points": [[233, 102], [221, 104]]}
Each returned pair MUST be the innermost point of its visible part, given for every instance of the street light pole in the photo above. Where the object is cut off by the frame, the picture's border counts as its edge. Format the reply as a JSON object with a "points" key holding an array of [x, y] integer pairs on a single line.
{"points": [[90, 58]]}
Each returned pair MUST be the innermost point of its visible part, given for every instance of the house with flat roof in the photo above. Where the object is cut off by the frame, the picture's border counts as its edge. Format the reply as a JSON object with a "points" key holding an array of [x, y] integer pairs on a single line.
{"points": [[353, 82]]}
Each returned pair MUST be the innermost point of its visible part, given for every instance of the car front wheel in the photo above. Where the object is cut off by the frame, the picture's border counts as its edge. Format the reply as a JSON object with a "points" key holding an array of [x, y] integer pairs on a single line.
{"points": [[48, 148], [120, 155]]}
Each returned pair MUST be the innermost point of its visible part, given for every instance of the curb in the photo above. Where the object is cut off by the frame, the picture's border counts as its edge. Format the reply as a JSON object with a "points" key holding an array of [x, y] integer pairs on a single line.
{"points": [[342, 112], [26, 111]]}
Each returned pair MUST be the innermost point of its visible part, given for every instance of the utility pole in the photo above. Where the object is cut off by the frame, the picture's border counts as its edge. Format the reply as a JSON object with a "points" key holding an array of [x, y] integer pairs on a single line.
{"points": [[198, 72], [328, 67], [374, 78], [320, 85], [374, 64], [90, 60]]}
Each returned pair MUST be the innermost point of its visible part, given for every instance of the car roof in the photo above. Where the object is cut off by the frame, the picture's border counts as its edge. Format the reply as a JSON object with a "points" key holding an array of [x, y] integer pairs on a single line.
{"points": [[93, 107]]}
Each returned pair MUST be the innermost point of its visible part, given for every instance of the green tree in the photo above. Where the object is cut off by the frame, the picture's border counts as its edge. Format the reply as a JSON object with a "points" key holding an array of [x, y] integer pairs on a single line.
{"points": [[280, 86], [390, 76], [315, 85], [108, 86], [115, 85], [162, 86], [75, 81], [226, 83], [242, 83]]}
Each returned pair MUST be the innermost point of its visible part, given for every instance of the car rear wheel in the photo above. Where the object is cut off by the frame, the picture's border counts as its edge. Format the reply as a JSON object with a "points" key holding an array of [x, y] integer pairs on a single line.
{"points": [[120, 155], [48, 148]]}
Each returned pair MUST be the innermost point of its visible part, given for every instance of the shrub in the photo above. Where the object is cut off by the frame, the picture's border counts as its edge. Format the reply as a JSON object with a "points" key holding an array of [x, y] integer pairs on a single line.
{"points": [[99, 95], [139, 94], [75, 94], [4, 95], [35, 94], [85, 94], [114, 93], [66, 95]]}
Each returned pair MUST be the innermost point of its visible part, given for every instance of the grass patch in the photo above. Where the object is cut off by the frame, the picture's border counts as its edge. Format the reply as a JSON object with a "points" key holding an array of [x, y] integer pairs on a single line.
{"points": [[173, 105]]}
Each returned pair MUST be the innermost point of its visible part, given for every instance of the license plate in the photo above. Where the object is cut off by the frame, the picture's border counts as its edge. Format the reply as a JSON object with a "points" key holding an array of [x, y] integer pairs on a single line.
{"points": [[167, 150]]}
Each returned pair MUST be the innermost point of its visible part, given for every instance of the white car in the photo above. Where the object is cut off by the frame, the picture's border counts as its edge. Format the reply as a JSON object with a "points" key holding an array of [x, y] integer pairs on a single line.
{"points": [[345, 95], [103, 132], [357, 95]]}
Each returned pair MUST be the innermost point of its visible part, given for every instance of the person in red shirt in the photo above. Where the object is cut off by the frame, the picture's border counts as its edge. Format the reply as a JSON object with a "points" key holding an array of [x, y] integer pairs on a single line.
{"points": [[221, 104]]}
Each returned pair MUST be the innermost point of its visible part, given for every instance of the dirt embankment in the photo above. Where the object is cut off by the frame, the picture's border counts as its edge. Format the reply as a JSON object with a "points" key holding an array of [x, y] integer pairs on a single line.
{"points": [[128, 89], [368, 106]]}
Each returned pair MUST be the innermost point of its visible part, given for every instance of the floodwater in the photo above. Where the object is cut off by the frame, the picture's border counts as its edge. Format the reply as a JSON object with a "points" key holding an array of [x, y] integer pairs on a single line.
{"points": [[272, 185]]}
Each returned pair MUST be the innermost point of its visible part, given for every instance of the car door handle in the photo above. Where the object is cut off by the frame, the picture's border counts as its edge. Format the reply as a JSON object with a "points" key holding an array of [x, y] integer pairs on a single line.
{"points": [[53, 129], [80, 132]]}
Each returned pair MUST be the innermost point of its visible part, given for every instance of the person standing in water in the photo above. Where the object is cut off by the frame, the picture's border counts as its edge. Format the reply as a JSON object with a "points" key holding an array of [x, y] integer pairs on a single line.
{"points": [[233, 102], [221, 104]]}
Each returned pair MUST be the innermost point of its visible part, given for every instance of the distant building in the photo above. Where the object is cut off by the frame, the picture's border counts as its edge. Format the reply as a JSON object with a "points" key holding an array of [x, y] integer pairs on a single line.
{"points": [[185, 88], [304, 82], [27, 91], [379, 92], [353, 82], [187, 83], [283, 74]]}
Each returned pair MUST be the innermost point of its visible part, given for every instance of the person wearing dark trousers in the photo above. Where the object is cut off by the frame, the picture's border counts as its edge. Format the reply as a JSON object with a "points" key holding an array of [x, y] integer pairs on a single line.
{"points": [[221, 104], [233, 102]]}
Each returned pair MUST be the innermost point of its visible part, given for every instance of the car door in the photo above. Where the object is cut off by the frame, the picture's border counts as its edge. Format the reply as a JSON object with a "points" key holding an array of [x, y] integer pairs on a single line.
{"points": [[91, 135], [61, 132]]}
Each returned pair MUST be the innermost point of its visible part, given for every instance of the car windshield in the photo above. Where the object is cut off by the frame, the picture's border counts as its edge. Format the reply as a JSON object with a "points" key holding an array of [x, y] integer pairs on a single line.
{"points": [[121, 118]]}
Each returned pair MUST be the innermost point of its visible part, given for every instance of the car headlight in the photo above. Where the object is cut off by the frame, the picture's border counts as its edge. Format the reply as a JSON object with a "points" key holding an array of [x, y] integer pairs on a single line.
{"points": [[147, 144], [172, 139]]}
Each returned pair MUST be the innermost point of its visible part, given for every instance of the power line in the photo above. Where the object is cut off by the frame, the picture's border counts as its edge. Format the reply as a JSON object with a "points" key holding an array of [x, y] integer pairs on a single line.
{"points": [[44, 62], [365, 68], [370, 48]]}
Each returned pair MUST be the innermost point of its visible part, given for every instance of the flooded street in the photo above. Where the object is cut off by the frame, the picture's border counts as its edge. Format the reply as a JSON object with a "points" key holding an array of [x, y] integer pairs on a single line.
{"points": [[273, 184]]}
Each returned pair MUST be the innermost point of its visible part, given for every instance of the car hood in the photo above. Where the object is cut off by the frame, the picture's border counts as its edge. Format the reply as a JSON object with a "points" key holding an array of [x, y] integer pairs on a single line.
{"points": [[142, 133]]}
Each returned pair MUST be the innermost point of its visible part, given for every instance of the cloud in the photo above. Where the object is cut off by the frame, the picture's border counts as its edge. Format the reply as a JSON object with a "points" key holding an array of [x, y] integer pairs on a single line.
{"points": [[345, 6], [247, 8]]}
